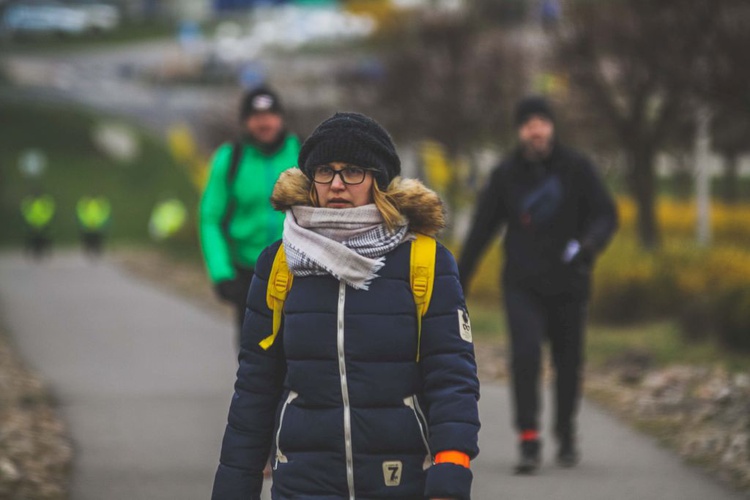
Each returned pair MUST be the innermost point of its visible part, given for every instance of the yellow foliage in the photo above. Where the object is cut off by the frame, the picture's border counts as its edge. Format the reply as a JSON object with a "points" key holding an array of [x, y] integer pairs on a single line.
{"points": [[552, 84], [729, 223], [382, 11], [436, 166], [198, 172], [181, 143], [184, 150]]}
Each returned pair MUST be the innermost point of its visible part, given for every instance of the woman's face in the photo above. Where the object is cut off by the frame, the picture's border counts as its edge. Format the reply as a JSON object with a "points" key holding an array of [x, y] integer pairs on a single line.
{"points": [[338, 194]]}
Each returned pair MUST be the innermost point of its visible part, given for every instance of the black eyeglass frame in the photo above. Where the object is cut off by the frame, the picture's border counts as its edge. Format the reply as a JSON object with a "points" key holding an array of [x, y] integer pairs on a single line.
{"points": [[341, 174]]}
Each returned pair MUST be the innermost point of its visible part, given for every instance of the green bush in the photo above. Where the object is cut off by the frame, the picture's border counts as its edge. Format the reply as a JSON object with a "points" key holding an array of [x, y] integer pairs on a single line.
{"points": [[732, 313], [707, 290], [632, 285], [696, 319]]}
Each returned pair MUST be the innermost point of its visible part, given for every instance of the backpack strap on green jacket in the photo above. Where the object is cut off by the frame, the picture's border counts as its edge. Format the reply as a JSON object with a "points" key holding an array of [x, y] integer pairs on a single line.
{"points": [[234, 165], [279, 284], [422, 278], [234, 162]]}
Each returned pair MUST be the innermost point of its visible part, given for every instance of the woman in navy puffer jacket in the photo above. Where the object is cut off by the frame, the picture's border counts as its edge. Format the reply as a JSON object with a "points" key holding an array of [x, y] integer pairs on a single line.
{"points": [[347, 401]]}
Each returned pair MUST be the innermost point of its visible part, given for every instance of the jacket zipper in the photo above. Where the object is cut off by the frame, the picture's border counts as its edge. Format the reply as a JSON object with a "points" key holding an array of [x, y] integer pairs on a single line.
{"points": [[413, 403], [280, 456], [345, 390]]}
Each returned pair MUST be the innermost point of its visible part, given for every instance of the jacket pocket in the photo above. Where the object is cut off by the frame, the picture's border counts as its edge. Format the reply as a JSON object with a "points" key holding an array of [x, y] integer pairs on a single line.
{"points": [[280, 457], [413, 403]]}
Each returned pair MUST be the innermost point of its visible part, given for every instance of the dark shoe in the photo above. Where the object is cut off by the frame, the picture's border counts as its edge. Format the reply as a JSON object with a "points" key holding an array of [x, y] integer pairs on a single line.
{"points": [[531, 457], [568, 454]]}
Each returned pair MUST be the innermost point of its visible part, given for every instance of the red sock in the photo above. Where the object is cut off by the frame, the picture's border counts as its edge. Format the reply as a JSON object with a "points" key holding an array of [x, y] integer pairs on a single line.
{"points": [[529, 435]]}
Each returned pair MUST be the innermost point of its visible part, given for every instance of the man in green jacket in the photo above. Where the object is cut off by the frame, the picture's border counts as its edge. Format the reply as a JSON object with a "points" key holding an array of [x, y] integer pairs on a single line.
{"points": [[236, 218]]}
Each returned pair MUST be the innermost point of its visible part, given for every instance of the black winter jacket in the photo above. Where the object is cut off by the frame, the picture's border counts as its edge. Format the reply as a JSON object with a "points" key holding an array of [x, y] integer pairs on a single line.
{"points": [[544, 205], [340, 401]]}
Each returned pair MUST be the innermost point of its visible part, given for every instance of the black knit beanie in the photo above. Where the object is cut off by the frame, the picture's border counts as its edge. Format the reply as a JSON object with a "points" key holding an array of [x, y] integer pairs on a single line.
{"points": [[533, 106], [355, 139], [259, 100]]}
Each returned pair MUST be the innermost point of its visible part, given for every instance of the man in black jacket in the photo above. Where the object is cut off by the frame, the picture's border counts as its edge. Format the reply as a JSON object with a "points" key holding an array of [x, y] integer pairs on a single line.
{"points": [[558, 216]]}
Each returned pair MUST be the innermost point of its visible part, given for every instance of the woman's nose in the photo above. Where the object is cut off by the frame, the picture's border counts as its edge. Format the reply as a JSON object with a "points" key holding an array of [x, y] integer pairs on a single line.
{"points": [[337, 183]]}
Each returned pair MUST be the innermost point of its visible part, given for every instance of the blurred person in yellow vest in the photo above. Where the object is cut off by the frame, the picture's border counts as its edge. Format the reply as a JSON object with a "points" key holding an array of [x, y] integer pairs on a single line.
{"points": [[167, 219], [94, 213], [38, 210]]}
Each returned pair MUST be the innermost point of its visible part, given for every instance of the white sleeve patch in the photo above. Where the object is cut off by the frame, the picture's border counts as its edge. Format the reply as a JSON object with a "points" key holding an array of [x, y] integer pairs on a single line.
{"points": [[464, 325]]}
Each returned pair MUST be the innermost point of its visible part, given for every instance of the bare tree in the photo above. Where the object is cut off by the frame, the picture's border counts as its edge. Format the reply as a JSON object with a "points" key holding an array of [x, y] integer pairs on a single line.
{"points": [[452, 78], [449, 81], [728, 92], [731, 139], [639, 63]]}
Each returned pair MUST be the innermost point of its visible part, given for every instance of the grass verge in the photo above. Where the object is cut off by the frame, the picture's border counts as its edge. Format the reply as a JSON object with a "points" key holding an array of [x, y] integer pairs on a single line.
{"points": [[35, 448], [79, 165]]}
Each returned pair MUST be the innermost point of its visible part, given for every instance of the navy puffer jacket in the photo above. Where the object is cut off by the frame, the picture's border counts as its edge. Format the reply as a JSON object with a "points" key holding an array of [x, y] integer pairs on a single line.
{"points": [[339, 400]]}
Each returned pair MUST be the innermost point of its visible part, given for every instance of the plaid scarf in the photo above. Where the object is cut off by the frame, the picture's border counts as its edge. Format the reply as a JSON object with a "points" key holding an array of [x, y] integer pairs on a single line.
{"points": [[350, 244]]}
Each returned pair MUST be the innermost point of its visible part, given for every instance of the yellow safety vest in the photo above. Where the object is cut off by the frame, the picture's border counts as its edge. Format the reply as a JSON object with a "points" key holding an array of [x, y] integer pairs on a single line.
{"points": [[38, 211], [93, 212], [167, 219]]}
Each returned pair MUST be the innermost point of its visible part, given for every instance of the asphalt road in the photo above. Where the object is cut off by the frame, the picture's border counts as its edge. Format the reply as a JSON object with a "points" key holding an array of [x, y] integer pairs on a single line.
{"points": [[144, 379]]}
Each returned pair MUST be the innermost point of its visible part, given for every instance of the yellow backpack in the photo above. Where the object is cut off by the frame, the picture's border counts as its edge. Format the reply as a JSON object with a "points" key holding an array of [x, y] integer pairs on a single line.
{"points": [[421, 279]]}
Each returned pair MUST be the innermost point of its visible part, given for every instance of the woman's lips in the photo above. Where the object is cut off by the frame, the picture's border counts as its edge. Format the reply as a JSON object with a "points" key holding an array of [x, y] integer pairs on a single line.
{"points": [[338, 202]]}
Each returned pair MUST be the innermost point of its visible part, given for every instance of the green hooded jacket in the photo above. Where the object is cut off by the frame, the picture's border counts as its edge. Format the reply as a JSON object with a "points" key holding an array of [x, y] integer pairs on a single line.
{"points": [[253, 224]]}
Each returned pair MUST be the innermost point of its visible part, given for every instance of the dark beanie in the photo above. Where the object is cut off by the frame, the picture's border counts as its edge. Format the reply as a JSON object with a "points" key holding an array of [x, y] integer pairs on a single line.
{"points": [[259, 100], [533, 106], [355, 139]]}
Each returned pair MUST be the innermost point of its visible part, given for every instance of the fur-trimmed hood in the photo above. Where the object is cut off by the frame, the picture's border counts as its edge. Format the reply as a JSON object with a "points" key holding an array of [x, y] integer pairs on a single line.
{"points": [[422, 207]]}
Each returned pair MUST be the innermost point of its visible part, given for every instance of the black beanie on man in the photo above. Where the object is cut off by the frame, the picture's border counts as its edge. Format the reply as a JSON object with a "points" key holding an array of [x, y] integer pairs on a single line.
{"points": [[355, 139], [259, 100], [533, 106]]}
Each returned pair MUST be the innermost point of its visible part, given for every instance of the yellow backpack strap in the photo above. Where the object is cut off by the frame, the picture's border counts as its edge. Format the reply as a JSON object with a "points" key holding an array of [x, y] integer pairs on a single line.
{"points": [[279, 284], [422, 277]]}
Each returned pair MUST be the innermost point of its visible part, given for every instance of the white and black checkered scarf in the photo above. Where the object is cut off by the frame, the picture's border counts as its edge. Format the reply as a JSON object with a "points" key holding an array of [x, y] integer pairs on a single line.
{"points": [[347, 243]]}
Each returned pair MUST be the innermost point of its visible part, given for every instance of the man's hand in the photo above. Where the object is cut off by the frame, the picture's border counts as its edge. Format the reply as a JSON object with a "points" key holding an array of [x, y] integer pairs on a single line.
{"points": [[578, 254], [230, 290], [584, 257]]}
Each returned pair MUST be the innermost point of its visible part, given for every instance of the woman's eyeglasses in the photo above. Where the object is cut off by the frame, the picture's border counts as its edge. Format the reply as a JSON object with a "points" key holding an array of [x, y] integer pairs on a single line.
{"points": [[349, 175]]}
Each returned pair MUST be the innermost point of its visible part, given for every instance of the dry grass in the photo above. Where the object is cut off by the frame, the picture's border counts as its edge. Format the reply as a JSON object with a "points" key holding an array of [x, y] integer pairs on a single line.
{"points": [[35, 449]]}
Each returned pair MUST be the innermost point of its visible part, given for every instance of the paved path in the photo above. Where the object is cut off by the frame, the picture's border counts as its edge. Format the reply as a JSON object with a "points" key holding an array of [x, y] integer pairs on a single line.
{"points": [[144, 379]]}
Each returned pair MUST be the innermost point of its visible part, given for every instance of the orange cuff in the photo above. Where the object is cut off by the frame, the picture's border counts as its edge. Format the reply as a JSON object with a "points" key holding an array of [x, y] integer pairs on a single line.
{"points": [[453, 457]]}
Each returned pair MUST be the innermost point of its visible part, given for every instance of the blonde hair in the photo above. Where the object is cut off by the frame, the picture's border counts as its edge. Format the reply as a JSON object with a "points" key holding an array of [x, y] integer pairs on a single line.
{"points": [[387, 207], [385, 203], [313, 194]]}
